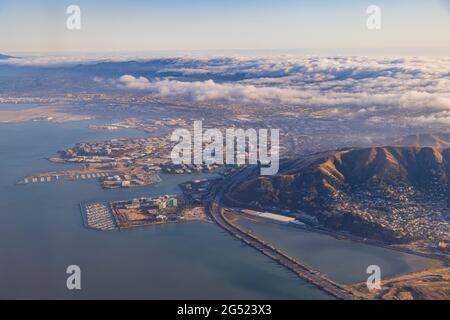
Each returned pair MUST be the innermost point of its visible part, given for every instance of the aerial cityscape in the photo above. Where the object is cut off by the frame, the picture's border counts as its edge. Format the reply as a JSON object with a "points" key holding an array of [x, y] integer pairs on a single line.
{"points": [[202, 160]]}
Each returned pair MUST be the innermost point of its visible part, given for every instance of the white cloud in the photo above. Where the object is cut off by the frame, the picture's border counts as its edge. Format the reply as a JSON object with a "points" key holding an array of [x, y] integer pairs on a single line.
{"points": [[442, 118], [210, 91], [130, 82], [354, 87], [372, 95], [415, 89]]}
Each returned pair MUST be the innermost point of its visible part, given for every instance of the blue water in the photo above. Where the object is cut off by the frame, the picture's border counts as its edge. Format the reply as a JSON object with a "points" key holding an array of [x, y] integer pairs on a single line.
{"points": [[341, 260], [41, 233]]}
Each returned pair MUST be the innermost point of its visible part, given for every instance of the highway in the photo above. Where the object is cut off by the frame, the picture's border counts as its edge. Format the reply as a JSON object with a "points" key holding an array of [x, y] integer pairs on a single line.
{"points": [[216, 212]]}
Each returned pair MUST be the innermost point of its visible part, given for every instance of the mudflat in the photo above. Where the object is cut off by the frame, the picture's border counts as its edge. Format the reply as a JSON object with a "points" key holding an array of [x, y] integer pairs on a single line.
{"points": [[431, 284], [42, 113]]}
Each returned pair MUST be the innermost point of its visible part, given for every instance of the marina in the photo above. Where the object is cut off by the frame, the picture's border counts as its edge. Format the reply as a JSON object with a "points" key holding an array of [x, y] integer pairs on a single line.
{"points": [[98, 216], [145, 253]]}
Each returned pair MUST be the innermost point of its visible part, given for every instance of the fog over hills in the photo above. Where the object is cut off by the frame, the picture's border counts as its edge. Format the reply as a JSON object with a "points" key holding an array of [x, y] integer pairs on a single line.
{"points": [[373, 91], [395, 194], [438, 139]]}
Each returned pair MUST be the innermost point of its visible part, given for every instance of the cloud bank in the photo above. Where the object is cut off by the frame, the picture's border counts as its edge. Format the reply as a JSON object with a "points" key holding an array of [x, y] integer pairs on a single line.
{"points": [[412, 89], [373, 89]]}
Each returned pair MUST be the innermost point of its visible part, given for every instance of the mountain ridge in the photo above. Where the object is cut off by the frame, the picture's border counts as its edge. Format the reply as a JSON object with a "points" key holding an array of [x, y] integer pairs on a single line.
{"points": [[355, 188]]}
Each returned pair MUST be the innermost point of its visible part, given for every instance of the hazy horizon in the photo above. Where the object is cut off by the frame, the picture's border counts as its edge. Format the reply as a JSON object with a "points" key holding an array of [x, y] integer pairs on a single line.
{"points": [[406, 26]]}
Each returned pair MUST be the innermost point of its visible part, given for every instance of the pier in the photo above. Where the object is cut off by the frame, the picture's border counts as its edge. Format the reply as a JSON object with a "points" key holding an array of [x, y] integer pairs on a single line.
{"points": [[70, 175]]}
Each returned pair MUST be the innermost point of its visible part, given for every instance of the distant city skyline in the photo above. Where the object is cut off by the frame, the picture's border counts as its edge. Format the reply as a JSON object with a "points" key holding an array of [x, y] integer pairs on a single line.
{"points": [[407, 26]]}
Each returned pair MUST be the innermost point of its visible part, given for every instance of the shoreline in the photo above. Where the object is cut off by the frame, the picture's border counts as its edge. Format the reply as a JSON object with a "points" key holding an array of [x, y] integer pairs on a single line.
{"points": [[337, 289]]}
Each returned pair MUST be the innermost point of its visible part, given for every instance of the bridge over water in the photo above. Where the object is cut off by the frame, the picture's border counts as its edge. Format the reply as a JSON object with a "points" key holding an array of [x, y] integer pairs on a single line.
{"points": [[313, 276]]}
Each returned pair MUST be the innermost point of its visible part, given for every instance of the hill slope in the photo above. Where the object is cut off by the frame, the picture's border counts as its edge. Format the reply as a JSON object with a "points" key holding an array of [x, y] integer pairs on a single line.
{"points": [[396, 194]]}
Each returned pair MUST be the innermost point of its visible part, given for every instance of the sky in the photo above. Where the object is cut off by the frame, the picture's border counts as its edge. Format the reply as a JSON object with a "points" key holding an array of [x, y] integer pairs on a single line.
{"points": [[130, 26]]}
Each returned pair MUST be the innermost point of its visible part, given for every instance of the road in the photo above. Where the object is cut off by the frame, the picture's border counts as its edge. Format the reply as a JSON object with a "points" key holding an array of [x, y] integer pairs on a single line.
{"points": [[306, 273]]}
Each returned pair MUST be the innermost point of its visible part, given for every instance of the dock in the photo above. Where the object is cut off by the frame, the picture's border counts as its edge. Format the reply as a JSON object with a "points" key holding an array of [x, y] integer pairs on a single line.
{"points": [[69, 176]]}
